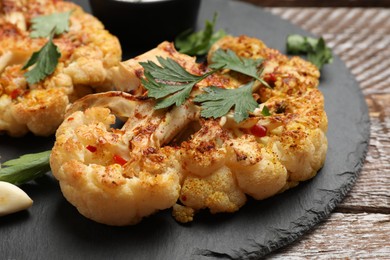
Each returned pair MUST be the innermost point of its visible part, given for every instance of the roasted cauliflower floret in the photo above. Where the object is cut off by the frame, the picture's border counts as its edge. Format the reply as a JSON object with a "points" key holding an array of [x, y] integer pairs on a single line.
{"points": [[127, 75], [88, 52], [217, 191], [286, 76], [102, 178], [257, 169], [207, 163]]}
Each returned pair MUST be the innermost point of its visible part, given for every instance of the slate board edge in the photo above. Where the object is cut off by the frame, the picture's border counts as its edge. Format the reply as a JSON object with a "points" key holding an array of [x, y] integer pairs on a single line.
{"points": [[286, 237], [289, 237]]}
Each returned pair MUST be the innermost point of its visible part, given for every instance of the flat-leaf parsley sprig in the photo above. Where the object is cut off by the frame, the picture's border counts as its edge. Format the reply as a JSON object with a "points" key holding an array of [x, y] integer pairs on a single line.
{"points": [[217, 102], [317, 51], [169, 83], [199, 43], [42, 26], [45, 60], [25, 168], [230, 60]]}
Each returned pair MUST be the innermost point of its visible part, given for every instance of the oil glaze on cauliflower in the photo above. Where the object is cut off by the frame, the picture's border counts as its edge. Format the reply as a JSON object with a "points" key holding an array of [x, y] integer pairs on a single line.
{"points": [[175, 158], [88, 52]]}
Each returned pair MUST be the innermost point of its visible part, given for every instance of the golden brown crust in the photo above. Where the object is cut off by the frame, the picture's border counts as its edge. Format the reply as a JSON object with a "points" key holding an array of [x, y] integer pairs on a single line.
{"points": [[87, 53], [216, 165]]}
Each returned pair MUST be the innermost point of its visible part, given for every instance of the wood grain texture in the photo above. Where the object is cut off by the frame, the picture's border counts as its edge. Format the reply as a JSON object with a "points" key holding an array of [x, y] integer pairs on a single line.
{"points": [[343, 236], [371, 192], [319, 3], [361, 38], [360, 225]]}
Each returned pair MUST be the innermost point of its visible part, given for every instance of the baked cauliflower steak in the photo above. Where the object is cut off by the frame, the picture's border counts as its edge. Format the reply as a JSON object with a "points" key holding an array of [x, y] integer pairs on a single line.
{"points": [[174, 157], [88, 52]]}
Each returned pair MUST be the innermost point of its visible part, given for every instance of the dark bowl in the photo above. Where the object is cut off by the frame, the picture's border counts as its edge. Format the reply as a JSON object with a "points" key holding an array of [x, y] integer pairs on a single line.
{"points": [[141, 25]]}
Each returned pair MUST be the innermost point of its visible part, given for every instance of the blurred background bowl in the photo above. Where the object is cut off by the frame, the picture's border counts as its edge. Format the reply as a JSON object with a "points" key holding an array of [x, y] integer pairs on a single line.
{"points": [[142, 24]]}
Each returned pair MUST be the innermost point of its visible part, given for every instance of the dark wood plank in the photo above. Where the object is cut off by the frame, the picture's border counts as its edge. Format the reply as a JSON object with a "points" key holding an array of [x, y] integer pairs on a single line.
{"points": [[360, 225], [343, 236], [318, 3], [360, 38], [371, 192]]}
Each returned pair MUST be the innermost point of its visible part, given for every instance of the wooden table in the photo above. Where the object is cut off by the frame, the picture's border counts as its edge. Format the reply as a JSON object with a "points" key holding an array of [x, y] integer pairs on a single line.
{"points": [[360, 226]]}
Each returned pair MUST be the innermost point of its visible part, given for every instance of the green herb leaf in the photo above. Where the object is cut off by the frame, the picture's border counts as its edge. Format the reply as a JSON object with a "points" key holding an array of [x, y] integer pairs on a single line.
{"points": [[265, 111], [199, 43], [297, 44], [321, 54], [170, 82], [316, 50], [230, 60], [42, 26], [217, 102], [45, 60], [25, 168]]}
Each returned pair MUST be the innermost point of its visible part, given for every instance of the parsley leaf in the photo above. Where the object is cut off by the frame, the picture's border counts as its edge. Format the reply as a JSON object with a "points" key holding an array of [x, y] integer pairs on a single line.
{"points": [[297, 44], [230, 60], [317, 51], [199, 43], [25, 168], [265, 111], [42, 26], [45, 60], [217, 102], [170, 82], [321, 54]]}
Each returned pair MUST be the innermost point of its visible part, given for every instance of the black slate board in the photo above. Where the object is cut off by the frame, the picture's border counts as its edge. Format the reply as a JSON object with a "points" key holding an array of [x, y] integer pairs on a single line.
{"points": [[53, 229]]}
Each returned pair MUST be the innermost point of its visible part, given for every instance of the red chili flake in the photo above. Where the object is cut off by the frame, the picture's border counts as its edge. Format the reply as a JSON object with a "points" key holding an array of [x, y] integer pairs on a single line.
{"points": [[15, 93], [183, 198], [270, 78], [70, 119], [91, 148], [259, 130], [119, 160]]}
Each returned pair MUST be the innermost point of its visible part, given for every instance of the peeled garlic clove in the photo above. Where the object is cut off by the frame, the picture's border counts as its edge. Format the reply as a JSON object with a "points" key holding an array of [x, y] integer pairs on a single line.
{"points": [[12, 199]]}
